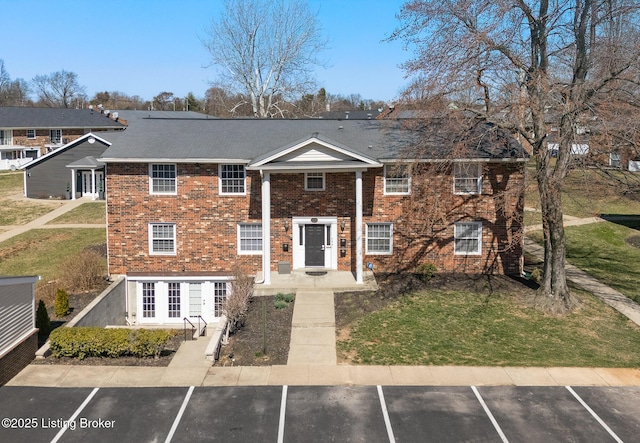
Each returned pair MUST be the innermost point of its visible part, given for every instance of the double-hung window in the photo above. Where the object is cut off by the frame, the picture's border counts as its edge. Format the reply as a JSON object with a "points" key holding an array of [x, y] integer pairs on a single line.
{"points": [[6, 137], [55, 135], [379, 238], [467, 178], [232, 179], [162, 179], [397, 179], [250, 238], [162, 239], [467, 238], [31, 134], [314, 181]]}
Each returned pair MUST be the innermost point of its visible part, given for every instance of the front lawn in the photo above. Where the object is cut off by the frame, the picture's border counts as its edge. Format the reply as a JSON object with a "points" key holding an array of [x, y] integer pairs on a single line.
{"points": [[453, 327], [604, 251], [86, 213], [40, 251]]}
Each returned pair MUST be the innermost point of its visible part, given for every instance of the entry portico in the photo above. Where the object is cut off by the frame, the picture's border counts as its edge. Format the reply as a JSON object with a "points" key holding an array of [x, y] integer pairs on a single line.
{"points": [[314, 236]]}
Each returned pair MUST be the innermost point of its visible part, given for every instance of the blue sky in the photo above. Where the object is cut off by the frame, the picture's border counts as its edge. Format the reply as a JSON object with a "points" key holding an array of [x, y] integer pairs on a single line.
{"points": [[146, 47]]}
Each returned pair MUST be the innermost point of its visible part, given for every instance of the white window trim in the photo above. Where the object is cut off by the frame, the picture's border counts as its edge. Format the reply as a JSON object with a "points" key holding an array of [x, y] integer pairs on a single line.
{"points": [[455, 237], [478, 190], [240, 251], [34, 134], [7, 137], [150, 233], [151, 192], [615, 159], [56, 138], [220, 179], [385, 192], [366, 243], [324, 181]]}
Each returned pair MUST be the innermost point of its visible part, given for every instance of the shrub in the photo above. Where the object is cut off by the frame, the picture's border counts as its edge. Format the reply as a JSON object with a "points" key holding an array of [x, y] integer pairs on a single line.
{"points": [[83, 272], [43, 323], [236, 305], [83, 342], [61, 305], [426, 271], [281, 301], [536, 275]]}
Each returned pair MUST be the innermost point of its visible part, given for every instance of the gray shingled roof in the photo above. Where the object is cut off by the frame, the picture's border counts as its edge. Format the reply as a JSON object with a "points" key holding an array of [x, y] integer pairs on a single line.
{"points": [[15, 117], [134, 115], [249, 139]]}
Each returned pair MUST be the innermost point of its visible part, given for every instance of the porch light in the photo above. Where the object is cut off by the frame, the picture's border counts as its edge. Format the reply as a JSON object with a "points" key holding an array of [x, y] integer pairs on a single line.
{"points": [[343, 223], [286, 226]]}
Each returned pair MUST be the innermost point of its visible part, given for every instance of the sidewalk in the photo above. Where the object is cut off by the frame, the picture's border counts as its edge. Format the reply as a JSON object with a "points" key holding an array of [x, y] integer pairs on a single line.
{"points": [[313, 330], [323, 375], [41, 222]]}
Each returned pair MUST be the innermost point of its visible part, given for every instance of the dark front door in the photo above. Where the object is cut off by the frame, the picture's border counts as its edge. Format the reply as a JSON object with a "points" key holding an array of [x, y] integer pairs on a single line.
{"points": [[314, 245]]}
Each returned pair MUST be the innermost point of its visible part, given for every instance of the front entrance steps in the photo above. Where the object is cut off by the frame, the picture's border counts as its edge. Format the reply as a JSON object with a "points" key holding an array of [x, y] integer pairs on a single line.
{"points": [[299, 279]]}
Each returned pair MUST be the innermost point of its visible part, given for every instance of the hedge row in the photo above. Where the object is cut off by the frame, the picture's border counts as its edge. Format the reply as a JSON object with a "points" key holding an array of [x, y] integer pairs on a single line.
{"points": [[82, 342]]}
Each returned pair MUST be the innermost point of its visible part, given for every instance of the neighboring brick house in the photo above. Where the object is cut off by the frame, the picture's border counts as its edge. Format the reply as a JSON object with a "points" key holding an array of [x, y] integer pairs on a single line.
{"points": [[27, 133], [18, 333], [188, 201]]}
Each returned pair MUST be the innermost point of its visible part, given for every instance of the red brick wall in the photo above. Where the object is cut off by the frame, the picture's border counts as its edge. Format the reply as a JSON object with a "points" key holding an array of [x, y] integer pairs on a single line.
{"points": [[19, 357], [206, 223]]}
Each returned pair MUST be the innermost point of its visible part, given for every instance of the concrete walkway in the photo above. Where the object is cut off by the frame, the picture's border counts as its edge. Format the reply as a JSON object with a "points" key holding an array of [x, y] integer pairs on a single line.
{"points": [[608, 295], [41, 222], [319, 375], [313, 329]]}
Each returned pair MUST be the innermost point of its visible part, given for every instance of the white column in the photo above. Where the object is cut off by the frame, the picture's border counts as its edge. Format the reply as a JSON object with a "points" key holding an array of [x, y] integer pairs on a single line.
{"points": [[93, 184], [73, 184], [266, 228], [359, 257]]}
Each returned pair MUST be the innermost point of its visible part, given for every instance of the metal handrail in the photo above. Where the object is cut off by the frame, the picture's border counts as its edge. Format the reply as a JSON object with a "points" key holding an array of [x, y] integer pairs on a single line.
{"points": [[203, 321], [193, 328]]}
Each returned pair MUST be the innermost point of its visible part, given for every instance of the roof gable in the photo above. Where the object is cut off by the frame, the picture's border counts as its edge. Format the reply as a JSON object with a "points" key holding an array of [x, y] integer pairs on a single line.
{"points": [[87, 137], [312, 151]]}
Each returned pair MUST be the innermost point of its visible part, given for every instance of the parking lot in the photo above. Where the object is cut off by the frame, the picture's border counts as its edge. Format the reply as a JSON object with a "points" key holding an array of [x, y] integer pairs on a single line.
{"points": [[321, 413]]}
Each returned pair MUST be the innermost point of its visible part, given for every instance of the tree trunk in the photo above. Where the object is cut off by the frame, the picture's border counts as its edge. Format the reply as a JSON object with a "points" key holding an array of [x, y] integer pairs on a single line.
{"points": [[554, 295]]}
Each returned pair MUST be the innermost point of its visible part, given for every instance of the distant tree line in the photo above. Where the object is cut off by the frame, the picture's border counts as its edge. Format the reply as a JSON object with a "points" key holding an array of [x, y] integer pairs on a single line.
{"points": [[62, 89]]}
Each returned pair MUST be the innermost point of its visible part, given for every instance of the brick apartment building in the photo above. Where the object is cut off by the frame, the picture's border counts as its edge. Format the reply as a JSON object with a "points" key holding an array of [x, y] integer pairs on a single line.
{"points": [[26, 133], [190, 200]]}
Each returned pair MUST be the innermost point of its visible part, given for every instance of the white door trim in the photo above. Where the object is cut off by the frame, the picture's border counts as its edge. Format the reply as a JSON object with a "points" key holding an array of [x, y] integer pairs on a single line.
{"points": [[330, 250]]}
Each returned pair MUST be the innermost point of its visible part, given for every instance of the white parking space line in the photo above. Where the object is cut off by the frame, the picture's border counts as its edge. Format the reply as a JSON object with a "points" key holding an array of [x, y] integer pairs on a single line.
{"points": [[75, 415], [490, 415], [592, 412], [283, 408], [176, 422], [385, 413]]}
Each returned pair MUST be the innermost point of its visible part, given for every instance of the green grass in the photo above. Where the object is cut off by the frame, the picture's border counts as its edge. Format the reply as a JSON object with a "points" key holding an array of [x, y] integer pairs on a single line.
{"points": [[39, 251], [587, 193], [459, 328], [93, 213], [600, 250]]}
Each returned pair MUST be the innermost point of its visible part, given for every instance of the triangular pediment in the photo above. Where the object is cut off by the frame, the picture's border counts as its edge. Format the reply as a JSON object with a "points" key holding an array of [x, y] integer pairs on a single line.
{"points": [[313, 151]]}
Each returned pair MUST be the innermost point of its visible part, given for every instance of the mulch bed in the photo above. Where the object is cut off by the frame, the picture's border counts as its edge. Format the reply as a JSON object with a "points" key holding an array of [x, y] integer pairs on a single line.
{"points": [[246, 346]]}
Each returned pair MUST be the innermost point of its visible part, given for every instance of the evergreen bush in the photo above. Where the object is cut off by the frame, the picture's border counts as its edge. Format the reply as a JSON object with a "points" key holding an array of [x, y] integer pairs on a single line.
{"points": [[61, 305], [43, 323]]}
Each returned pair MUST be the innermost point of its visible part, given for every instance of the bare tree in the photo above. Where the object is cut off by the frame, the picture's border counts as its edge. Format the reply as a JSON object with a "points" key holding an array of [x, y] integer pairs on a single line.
{"points": [[164, 101], [528, 65], [12, 92], [58, 89], [265, 50]]}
